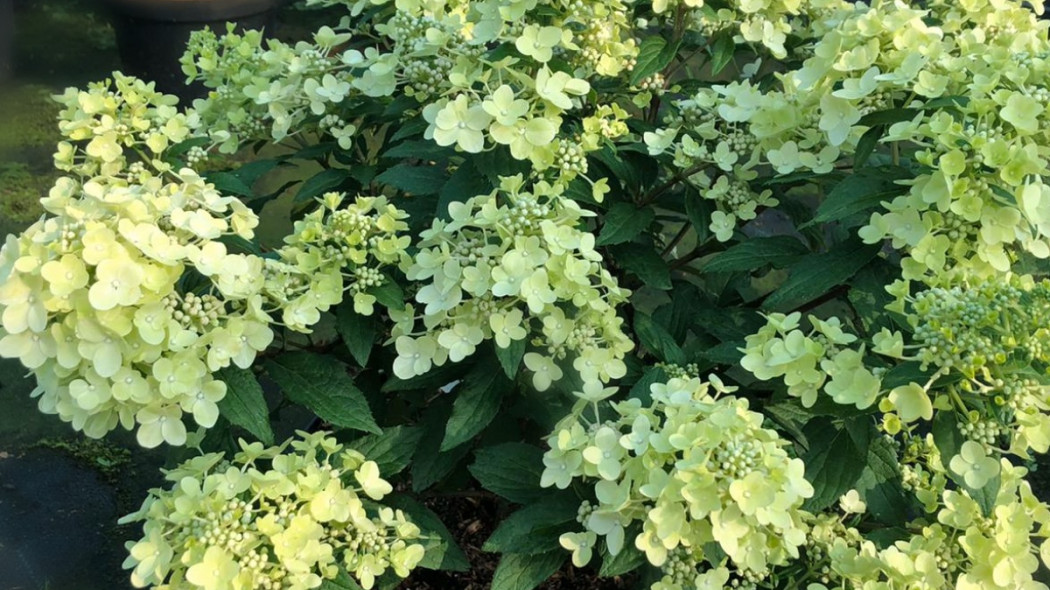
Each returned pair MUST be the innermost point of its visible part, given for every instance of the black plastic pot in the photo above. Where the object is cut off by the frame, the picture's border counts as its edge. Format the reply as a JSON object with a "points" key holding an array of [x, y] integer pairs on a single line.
{"points": [[152, 34]]}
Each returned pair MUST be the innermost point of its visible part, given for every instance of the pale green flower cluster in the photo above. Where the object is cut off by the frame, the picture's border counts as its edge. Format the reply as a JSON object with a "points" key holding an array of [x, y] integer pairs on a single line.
{"points": [[123, 299], [269, 89], [956, 545], [513, 266], [810, 361], [694, 469], [975, 76], [271, 518], [332, 251]]}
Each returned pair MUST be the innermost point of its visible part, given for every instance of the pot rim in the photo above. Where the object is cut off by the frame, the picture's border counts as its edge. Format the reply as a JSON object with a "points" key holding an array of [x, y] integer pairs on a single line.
{"points": [[191, 11]]}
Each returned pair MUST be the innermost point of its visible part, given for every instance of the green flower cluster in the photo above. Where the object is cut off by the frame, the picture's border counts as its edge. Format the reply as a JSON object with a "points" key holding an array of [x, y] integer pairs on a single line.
{"points": [[123, 300], [272, 91], [271, 518], [508, 266], [694, 469], [810, 361], [333, 250], [957, 544]]}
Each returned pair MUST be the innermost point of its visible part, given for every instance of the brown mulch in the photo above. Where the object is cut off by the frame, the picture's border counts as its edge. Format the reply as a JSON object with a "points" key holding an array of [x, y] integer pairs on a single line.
{"points": [[471, 520]]}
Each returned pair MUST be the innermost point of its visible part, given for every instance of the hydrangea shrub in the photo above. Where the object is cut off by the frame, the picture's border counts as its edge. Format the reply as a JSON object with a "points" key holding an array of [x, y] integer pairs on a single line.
{"points": [[738, 294]]}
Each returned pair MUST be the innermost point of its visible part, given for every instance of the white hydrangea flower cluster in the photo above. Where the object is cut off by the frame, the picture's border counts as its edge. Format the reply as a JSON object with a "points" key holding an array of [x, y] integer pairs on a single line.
{"points": [[975, 76], [956, 545], [271, 518], [334, 250], [273, 91], [693, 468], [808, 362], [510, 266], [123, 299]]}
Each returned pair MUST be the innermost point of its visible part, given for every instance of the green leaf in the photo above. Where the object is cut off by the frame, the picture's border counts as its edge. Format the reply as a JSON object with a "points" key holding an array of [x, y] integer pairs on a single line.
{"points": [[834, 462], [815, 275], [984, 496], [510, 357], [641, 389], [699, 211], [535, 528], [524, 572], [627, 560], [859, 192], [905, 373], [888, 117], [722, 48], [392, 450], [321, 384], [244, 404], [229, 184], [431, 464], [866, 145], [357, 331], [623, 223], [320, 183], [658, 340], [442, 552], [754, 253], [342, 581], [466, 182], [880, 485], [421, 149], [477, 402], [416, 180], [645, 263], [511, 470], [389, 294], [654, 54]]}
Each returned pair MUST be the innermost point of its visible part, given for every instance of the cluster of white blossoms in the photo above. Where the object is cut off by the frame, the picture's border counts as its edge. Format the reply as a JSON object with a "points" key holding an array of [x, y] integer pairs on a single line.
{"points": [[335, 250], [511, 266], [123, 299], [957, 543], [264, 88], [809, 362], [271, 519], [693, 468]]}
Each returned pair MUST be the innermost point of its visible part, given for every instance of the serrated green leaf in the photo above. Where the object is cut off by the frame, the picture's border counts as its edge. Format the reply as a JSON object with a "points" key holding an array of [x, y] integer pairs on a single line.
{"points": [[653, 56], [535, 528], [465, 183], [866, 145], [320, 183], [229, 184], [431, 464], [244, 404], [415, 180], [389, 294], [511, 470], [658, 340], [421, 149], [357, 331], [815, 275], [949, 440], [392, 450], [880, 485], [859, 192], [342, 581], [644, 263], [834, 462], [722, 49], [623, 223], [510, 357], [627, 560], [699, 211], [755, 253], [321, 384], [524, 572], [641, 389], [478, 400], [888, 117], [441, 550]]}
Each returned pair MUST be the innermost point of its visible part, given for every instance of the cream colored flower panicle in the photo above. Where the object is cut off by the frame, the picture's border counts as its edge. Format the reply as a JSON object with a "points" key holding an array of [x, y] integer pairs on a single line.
{"points": [[333, 251], [512, 266], [271, 518], [123, 300], [693, 468]]}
